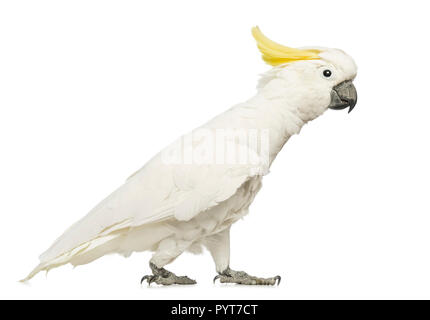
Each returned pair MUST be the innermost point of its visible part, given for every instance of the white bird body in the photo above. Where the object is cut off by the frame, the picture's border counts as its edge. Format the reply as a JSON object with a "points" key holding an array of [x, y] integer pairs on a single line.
{"points": [[170, 208]]}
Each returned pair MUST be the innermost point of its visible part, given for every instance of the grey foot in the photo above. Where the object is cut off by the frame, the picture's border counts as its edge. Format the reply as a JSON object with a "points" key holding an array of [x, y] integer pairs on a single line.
{"points": [[165, 277], [240, 277]]}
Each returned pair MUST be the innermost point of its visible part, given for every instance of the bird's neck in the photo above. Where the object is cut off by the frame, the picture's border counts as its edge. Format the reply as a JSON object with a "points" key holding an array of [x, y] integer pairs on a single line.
{"points": [[276, 113], [270, 115]]}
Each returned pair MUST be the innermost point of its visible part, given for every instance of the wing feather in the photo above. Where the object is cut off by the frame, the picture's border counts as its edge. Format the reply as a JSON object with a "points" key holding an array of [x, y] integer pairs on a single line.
{"points": [[157, 192]]}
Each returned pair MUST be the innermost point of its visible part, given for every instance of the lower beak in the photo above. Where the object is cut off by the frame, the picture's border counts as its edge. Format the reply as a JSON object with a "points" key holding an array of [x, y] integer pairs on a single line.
{"points": [[343, 96]]}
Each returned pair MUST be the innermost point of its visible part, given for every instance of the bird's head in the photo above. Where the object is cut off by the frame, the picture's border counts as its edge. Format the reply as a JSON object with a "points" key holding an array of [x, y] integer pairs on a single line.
{"points": [[313, 79]]}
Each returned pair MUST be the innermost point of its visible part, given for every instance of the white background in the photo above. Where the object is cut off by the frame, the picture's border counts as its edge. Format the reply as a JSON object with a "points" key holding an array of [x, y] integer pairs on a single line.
{"points": [[91, 90]]}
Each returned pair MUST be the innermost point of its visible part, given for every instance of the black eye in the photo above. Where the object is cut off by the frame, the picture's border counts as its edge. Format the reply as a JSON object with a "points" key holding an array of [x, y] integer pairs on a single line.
{"points": [[327, 73]]}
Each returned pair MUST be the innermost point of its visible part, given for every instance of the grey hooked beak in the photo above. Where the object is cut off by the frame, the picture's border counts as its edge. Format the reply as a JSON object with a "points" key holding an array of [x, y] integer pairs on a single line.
{"points": [[343, 96]]}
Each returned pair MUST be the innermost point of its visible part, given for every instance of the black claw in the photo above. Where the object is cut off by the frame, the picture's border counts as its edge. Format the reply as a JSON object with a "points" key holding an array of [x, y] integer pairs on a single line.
{"points": [[148, 278], [217, 277], [278, 279]]}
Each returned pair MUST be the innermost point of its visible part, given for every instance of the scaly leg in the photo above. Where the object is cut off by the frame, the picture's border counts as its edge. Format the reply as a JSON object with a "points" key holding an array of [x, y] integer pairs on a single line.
{"points": [[165, 277], [219, 246], [168, 250], [240, 277]]}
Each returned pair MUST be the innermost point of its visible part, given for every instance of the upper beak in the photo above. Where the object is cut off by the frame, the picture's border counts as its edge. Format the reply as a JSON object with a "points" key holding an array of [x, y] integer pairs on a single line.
{"points": [[343, 96]]}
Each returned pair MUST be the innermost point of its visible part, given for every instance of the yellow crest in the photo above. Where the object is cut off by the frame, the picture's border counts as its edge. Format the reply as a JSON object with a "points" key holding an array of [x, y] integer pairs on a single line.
{"points": [[276, 54]]}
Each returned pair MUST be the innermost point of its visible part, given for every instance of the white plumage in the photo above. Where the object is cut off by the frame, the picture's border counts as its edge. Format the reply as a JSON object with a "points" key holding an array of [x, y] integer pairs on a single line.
{"points": [[171, 208]]}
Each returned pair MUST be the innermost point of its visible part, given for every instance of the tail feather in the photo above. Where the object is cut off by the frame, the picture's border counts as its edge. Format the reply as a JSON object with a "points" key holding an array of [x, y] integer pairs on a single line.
{"points": [[70, 256], [123, 241], [35, 271]]}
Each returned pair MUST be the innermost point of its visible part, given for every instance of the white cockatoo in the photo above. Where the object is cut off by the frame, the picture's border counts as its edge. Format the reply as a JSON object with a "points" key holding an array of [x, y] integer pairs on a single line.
{"points": [[188, 196]]}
